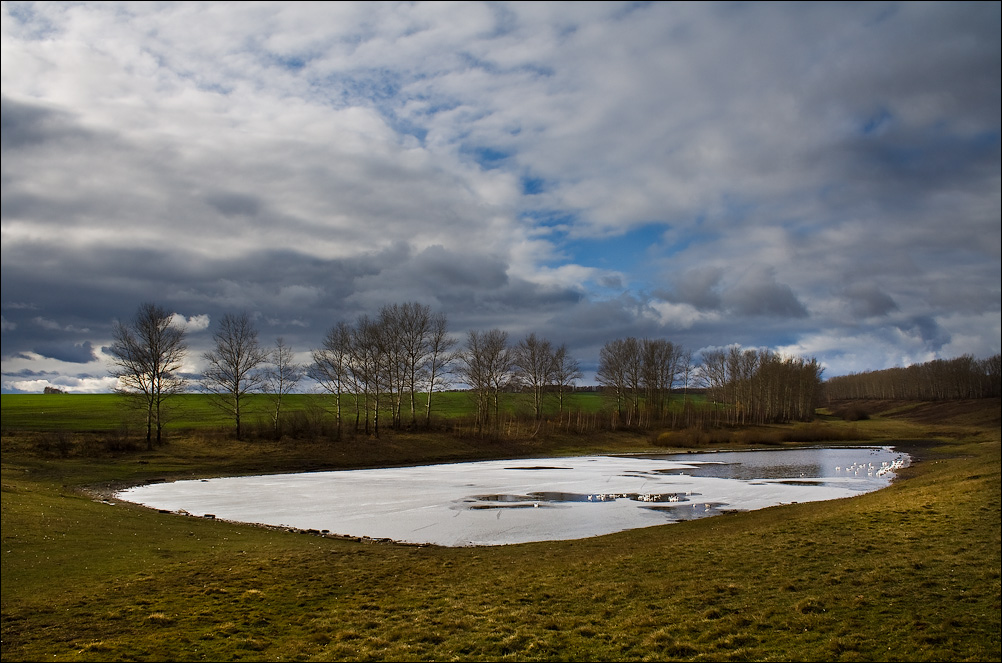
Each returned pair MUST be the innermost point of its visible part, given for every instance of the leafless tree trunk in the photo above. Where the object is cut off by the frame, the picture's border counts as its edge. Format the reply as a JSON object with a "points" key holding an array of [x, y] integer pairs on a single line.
{"points": [[409, 327], [148, 353], [233, 372], [371, 368], [440, 356], [487, 369], [567, 371], [535, 367], [331, 367], [612, 371], [280, 379]]}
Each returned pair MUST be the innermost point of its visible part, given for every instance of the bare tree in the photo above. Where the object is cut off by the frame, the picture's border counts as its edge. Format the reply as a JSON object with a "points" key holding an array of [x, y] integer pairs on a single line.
{"points": [[711, 374], [660, 369], [487, 369], [371, 368], [612, 373], [687, 370], [408, 327], [535, 367], [233, 372], [566, 371], [148, 353], [439, 357], [332, 367], [280, 378]]}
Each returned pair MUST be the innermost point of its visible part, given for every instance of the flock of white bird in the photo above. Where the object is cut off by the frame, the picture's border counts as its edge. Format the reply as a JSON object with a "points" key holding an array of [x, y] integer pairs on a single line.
{"points": [[872, 470], [856, 469], [648, 497]]}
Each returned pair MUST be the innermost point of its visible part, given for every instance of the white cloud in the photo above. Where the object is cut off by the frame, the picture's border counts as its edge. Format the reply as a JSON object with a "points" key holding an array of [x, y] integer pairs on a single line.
{"points": [[305, 161], [193, 323]]}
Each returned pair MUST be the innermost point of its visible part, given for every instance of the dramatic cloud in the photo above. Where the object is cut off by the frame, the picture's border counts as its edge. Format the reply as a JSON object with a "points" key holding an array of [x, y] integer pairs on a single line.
{"points": [[821, 179], [75, 353]]}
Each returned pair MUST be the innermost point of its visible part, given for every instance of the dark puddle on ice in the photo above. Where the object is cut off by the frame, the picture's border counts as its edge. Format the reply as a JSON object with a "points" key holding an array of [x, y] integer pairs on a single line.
{"points": [[548, 498]]}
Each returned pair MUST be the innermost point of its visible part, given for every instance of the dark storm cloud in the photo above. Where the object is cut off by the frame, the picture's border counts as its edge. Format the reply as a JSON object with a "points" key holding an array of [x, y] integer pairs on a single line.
{"points": [[927, 329], [754, 292], [445, 270], [25, 125], [74, 353], [698, 287], [867, 301], [234, 204], [762, 295]]}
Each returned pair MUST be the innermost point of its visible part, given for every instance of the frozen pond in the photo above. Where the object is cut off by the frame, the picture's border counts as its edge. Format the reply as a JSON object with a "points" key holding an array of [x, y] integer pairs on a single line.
{"points": [[516, 501]]}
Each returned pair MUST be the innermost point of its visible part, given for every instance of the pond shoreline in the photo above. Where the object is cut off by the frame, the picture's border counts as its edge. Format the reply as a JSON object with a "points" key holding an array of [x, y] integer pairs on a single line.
{"points": [[496, 502]]}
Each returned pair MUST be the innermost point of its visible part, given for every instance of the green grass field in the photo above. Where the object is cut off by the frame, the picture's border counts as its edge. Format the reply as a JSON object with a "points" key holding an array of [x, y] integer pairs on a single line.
{"points": [[108, 412], [911, 572]]}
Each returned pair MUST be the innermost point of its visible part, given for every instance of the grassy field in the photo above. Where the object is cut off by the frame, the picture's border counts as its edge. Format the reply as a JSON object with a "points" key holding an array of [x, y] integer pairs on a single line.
{"points": [[113, 412], [911, 572]]}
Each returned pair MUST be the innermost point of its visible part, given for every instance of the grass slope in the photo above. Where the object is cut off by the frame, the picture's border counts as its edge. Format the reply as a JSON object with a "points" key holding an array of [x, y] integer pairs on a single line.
{"points": [[911, 572]]}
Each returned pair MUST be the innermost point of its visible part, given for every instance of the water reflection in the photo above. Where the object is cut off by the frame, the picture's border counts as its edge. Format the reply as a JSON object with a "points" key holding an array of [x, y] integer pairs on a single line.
{"points": [[500, 502]]}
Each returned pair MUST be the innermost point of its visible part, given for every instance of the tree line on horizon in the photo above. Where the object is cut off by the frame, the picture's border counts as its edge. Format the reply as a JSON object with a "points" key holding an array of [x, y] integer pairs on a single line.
{"points": [[962, 377], [384, 370]]}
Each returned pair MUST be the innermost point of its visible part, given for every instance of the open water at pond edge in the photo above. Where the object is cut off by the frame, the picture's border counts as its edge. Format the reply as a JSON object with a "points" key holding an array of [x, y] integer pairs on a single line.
{"points": [[501, 502]]}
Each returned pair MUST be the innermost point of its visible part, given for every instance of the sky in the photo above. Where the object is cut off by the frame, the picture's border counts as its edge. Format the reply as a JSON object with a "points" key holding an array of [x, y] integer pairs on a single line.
{"points": [[817, 179]]}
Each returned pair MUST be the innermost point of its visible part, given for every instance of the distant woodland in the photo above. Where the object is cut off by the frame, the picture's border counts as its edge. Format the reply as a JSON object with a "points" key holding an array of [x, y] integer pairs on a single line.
{"points": [[941, 379]]}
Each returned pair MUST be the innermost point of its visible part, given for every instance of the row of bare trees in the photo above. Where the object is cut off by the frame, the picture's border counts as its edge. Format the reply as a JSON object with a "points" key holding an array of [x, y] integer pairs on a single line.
{"points": [[490, 366], [379, 366], [761, 386], [743, 386], [383, 364], [640, 375], [149, 351], [940, 379]]}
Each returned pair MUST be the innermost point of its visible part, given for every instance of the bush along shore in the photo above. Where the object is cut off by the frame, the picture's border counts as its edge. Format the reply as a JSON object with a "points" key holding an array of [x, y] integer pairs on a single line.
{"points": [[909, 572]]}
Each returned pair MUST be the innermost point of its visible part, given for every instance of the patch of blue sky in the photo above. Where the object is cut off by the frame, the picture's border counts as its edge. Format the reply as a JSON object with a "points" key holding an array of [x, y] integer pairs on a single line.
{"points": [[403, 125], [371, 88], [488, 158], [290, 62], [35, 24], [876, 123], [986, 141], [936, 153], [533, 185], [624, 252], [535, 70]]}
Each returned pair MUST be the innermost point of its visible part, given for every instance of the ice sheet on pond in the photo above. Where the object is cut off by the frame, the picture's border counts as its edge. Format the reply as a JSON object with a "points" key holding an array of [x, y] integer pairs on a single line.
{"points": [[517, 501]]}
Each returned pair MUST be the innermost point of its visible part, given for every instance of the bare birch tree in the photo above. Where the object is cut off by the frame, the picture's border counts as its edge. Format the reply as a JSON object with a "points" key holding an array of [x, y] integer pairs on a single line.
{"points": [[611, 374], [148, 353], [409, 327], [567, 370], [371, 369], [535, 368], [280, 379], [487, 369], [332, 368], [233, 364], [438, 360]]}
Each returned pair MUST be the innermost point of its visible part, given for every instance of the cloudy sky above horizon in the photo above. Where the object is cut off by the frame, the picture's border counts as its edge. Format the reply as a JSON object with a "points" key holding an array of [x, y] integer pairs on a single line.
{"points": [[819, 179]]}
